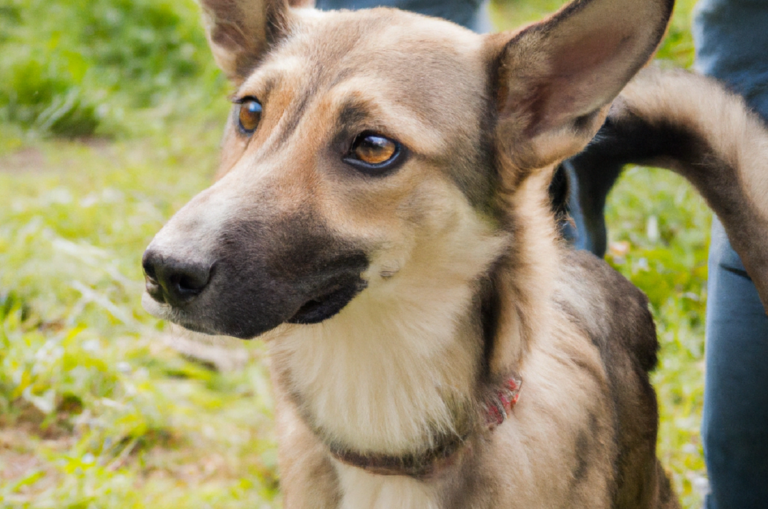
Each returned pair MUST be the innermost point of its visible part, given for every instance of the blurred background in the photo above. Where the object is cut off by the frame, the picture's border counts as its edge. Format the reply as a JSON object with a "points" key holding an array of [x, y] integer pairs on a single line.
{"points": [[110, 116]]}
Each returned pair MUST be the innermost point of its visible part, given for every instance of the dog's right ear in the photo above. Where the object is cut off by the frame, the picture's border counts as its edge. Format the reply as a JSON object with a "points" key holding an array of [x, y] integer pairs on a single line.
{"points": [[241, 31], [553, 80]]}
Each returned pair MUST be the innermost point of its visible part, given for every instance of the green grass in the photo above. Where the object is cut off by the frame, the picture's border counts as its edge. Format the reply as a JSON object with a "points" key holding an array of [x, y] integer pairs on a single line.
{"points": [[85, 67], [659, 230], [96, 410], [103, 413]]}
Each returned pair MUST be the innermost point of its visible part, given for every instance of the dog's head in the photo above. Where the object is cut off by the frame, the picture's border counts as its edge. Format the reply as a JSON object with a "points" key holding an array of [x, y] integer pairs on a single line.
{"points": [[366, 146]]}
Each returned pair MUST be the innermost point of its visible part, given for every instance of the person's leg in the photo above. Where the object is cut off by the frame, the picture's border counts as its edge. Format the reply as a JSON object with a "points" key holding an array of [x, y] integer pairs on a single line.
{"points": [[735, 421], [472, 14], [731, 41]]}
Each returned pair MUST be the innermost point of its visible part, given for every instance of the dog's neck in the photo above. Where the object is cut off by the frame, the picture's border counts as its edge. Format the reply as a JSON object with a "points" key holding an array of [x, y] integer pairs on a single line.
{"points": [[387, 376], [497, 406], [411, 360], [398, 368]]}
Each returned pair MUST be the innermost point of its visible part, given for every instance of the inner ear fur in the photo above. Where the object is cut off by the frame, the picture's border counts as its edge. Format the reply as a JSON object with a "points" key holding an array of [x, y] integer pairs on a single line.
{"points": [[554, 80], [241, 31]]}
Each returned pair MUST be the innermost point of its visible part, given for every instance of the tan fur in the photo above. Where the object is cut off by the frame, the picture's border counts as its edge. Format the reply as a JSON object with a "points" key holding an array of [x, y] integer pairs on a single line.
{"points": [[466, 281]]}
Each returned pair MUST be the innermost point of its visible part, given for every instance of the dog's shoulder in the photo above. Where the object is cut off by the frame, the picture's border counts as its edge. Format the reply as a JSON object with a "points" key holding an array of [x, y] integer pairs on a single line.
{"points": [[612, 311]]}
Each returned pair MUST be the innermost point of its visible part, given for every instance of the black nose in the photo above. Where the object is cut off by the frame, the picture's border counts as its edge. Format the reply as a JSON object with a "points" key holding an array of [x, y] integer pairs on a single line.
{"points": [[173, 281]]}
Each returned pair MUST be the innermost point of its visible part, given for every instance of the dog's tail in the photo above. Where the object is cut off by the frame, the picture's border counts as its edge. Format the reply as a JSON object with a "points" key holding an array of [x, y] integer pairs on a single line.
{"points": [[693, 126]]}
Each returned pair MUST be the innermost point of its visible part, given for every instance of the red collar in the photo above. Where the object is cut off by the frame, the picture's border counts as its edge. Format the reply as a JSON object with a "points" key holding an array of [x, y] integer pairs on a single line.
{"points": [[497, 408]]}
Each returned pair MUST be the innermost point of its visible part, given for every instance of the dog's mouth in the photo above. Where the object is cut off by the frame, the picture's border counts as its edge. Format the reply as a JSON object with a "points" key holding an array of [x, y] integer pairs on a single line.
{"points": [[165, 311], [325, 303], [256, 286], [329, 302]]}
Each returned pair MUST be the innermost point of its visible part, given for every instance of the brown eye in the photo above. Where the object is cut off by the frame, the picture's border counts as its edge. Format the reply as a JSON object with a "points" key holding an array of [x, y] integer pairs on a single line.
{"points": [[373, 153], [374, 149], [250, 115]]}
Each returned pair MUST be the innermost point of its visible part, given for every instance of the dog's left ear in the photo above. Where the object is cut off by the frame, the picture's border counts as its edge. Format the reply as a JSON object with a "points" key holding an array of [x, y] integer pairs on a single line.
{"points": [[553, 80], [240, 32]]}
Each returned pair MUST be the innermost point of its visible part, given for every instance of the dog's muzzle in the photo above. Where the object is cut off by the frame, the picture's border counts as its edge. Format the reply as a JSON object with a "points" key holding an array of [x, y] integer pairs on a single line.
{"points": [[247, 284]]}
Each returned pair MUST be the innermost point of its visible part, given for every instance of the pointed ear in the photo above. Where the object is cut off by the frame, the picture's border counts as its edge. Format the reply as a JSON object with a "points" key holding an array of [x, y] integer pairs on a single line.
{"points": [[553, 80], [241, 31]]}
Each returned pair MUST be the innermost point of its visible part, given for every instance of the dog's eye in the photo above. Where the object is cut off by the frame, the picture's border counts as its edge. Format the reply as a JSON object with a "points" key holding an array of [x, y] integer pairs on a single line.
{"points": [[374, 149], [373, 153], [250, 115]]}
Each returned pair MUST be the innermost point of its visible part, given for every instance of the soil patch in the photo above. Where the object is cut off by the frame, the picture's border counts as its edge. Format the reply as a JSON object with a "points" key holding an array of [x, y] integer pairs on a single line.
{"points": [[27, 160]]}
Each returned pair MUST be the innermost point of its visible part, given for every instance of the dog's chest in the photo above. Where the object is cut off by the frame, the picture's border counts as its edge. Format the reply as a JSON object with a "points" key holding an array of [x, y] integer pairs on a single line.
{"points": [[380, 390], [363, 490]]}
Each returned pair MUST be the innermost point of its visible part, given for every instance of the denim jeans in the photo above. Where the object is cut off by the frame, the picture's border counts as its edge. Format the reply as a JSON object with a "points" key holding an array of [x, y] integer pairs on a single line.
{"points": [[732, 40], [472, 14], [735, 421]]}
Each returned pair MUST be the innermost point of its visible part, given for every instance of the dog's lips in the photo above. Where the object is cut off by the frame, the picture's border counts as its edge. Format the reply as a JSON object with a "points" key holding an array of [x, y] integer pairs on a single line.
{"points": [[325, 304], [329, 302], [167, 312], [155, 308]]}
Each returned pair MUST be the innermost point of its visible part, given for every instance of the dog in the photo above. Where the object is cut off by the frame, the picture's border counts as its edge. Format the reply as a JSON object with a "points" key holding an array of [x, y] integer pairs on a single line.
{"points": [[381, 218]]}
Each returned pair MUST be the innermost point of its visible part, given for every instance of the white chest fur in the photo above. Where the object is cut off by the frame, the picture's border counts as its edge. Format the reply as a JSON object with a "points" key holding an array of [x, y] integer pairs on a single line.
{"points": [[389, 389], [368, 491]]}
